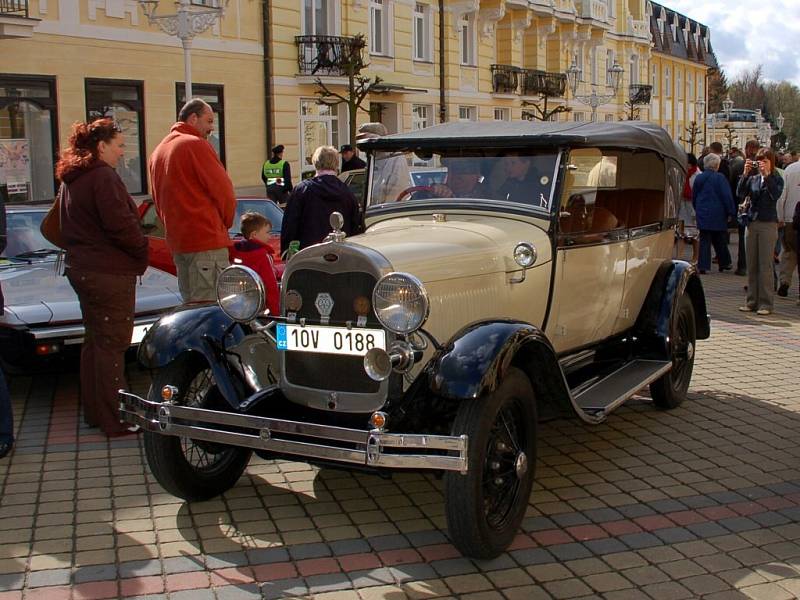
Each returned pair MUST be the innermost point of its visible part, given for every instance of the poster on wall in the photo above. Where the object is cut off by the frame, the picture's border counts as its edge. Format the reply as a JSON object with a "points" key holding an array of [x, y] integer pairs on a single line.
{"points": [[15, 167]]}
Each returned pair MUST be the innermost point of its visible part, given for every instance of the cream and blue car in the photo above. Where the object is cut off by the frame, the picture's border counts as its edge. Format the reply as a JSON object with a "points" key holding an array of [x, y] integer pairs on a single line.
{"points": [[534, 280]]}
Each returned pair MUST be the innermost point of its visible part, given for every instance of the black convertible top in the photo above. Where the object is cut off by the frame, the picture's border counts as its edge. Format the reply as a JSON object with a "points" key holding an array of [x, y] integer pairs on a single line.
{"points": [[519, 134]]}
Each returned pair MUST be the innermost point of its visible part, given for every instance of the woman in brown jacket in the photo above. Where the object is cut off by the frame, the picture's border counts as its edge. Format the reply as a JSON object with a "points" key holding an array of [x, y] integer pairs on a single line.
{"points": [[105, 251]]}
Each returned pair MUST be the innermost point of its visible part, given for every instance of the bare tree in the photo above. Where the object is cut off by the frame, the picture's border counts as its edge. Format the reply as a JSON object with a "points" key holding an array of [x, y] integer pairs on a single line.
{"points": [[748, 90], [693, 139], [359, 87]]}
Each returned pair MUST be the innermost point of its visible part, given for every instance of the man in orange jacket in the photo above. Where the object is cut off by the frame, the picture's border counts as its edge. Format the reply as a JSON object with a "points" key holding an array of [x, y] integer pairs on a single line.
{"points": [[195, 199]]}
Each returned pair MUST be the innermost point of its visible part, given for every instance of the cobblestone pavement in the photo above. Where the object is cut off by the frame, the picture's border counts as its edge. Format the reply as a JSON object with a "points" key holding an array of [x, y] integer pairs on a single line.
{"points": [[702, 501]]}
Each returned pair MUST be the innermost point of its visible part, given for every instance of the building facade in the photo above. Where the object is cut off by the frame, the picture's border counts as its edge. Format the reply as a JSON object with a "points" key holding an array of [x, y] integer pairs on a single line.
{"points": [[437, 60], [71, 60]]}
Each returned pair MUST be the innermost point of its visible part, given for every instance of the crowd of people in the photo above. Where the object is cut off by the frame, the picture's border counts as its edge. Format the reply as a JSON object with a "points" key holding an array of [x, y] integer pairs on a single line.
{"points": [[757, 193]]}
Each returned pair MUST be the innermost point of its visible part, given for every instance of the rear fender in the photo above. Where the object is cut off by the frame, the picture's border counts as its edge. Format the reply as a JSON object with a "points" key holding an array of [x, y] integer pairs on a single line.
{"points": [[673, 279], [201, 329]]}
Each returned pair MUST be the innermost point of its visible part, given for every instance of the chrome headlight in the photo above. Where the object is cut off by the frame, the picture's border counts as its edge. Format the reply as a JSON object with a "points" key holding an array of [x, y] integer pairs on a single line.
{"points": [[240, 293], [401, 302]]}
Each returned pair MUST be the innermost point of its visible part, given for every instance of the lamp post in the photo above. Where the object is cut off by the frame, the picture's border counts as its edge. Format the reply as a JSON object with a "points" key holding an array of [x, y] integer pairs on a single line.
{"points": [[188, 20], [727, 107], [594, 100]]}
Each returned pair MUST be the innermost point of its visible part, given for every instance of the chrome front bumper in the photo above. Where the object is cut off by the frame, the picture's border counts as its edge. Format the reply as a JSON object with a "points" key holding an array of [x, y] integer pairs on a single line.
{"points": [[325, 442]]}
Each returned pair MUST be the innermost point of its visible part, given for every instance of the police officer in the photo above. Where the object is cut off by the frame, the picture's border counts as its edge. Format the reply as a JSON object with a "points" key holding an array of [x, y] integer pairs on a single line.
{"points": [[277, 176]]}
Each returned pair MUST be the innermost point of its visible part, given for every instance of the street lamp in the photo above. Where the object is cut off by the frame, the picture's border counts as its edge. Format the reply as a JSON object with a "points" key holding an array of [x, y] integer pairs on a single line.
{"points": [[594, 100], [701, 117], [780, 121], [191, 17], [727, 107]]}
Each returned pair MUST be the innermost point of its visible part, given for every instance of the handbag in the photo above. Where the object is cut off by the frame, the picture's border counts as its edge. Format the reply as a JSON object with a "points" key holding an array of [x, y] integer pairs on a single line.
{"points": [[51, 224]]}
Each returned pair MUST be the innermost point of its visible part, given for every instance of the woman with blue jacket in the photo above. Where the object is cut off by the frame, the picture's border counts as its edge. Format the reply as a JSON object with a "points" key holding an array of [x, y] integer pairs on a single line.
{"points": [[713, 204], [763, 185]]}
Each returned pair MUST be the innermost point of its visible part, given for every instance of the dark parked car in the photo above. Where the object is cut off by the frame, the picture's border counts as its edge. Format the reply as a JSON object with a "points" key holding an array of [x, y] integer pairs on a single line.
{"points": [[42, 315], [438, 338]]}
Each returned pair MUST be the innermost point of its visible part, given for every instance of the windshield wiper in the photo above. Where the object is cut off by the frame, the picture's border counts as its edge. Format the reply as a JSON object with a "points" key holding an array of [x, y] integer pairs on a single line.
{"points": [[39, 252]]}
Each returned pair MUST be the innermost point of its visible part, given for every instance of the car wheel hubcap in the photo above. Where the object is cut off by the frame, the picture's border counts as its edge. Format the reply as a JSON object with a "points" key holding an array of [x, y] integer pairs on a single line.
{"points": [[521, 465]]}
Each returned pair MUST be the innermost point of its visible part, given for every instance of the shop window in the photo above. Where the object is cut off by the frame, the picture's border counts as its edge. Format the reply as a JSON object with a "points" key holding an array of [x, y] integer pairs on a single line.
{"points": [[28, 138], [421, 116], [122, 101], [213, 95]]}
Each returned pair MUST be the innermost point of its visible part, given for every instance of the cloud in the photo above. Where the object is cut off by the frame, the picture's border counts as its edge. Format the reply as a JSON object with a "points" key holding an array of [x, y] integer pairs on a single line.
{"points": [[742, 38]]}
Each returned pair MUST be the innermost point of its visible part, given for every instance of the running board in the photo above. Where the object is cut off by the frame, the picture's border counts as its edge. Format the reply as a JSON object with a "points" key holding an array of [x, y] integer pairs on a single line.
{"points": [[610, 392]]}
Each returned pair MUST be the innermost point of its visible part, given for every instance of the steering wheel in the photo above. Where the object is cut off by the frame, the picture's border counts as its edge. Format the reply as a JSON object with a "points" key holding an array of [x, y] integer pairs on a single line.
{"points": [[412, 189]]}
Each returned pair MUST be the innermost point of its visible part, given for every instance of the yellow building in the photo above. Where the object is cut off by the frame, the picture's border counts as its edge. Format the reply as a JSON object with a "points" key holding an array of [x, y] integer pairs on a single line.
{"points": [[63, 61], [67, 60]]}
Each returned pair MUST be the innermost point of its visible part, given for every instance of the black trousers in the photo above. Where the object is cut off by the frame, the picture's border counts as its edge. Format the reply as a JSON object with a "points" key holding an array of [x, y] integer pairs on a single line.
{"points": [[741, 259]]}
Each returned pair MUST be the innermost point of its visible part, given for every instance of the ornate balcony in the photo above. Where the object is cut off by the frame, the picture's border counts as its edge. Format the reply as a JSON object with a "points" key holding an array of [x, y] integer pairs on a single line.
{"points": [[639, 94], [505, 79], [596, 10], [17, 8], [15, 21], [638, 29], [536, 83], [327, 54]]}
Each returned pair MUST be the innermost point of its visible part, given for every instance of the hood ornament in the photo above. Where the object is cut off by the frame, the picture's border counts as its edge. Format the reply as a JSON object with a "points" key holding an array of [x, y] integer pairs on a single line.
{"points": [[337, 222]]}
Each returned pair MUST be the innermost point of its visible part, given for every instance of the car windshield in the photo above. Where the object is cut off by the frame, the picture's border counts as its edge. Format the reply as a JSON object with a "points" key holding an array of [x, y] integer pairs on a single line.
{"points": [[515, 176], [24, 238], [262, 206]]}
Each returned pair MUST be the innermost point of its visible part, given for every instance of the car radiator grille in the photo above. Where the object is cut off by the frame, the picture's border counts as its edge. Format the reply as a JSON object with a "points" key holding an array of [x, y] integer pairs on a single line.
{"points": [[329, 371]]}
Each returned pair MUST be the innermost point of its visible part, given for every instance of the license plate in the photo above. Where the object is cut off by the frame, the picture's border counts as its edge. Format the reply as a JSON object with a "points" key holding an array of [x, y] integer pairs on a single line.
{"points": [[138, 333], [329, 340]]}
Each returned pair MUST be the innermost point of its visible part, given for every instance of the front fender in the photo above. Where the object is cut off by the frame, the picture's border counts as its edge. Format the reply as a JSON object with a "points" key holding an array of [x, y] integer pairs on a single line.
{"points": [[673, 279], [203, 329]]}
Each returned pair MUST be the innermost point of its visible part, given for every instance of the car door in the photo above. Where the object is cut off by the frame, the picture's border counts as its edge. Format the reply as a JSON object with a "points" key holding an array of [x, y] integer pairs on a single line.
{"points": [[591, 253]]}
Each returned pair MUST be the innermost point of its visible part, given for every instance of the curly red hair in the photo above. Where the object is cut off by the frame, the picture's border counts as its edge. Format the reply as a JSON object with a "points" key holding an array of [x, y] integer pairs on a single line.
{"points": [[82, 144]]}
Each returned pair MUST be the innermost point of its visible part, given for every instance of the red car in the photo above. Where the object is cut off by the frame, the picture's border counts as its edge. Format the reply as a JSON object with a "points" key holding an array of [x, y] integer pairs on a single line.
{"points": [[161, 257]]}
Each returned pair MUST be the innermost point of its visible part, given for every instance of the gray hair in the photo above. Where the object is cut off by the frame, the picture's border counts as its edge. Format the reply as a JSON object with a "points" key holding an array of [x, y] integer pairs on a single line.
{"points": [[374, 127], [325, 158], [711, 161], [195, 106]]}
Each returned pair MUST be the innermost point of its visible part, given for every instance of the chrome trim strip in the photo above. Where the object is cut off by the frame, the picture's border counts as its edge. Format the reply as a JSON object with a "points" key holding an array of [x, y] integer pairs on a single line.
{"points": [[370, 446], [66, 331]]}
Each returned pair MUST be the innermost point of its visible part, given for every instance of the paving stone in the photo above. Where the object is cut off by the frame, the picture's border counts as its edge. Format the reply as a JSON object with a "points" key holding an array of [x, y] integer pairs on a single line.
{"points": [[538, 524], [95, 573], [388, 542], [567, 588], [226, 559], [263, 556], [770, 519], [12, 581], [666, 506], [673, 535], [182, 564], [413, 572], [192, 595], [284, 588], [768, 591], [605, 546], [633, 511], [504, 561], [707, 530], [532, 556], [426, 538], [640, 540], [453, 566], [570, 519], [603, 515], [329, 582], [669, 590], [303, 551], [698, 501], [607, 582], [738, 524], [727, 497], [564, 552], [49, 577], [243, 591], [371, 577]]}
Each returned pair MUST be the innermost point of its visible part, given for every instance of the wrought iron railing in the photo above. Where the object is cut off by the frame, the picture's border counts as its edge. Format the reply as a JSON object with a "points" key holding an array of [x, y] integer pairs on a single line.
{"points": [[639, 94], [18, 8], [505, 79], [327, 54], [535, 83]]}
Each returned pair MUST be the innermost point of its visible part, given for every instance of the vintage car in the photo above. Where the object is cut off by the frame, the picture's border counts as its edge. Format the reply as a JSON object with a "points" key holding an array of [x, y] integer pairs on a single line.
{"points": [[42, 319], [535, 282]]}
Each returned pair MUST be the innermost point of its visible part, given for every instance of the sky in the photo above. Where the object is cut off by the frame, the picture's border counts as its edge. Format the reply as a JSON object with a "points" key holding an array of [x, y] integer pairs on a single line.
{"points": [[746, 34]]}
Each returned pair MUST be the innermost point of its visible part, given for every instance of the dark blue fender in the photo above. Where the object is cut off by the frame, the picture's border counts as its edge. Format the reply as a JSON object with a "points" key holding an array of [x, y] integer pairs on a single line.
{"points": [[673, 279], [474, 361], [203, 329]]}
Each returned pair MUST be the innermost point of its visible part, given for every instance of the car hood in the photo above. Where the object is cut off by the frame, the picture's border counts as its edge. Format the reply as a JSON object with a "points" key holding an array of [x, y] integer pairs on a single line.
{"points": [[38, 294], [462, 246]]}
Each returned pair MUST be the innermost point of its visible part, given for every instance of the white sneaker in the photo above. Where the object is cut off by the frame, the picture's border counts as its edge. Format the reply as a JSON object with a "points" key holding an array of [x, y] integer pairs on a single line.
{"points": [[763, 312]]}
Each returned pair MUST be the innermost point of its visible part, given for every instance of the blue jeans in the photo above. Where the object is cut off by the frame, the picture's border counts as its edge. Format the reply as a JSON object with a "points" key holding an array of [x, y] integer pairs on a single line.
{"points": [[6, 416], [717, 239]]}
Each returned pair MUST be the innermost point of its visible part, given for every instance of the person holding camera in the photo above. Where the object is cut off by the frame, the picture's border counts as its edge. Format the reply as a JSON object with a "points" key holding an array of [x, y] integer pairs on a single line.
{"points": [[763, 186]]}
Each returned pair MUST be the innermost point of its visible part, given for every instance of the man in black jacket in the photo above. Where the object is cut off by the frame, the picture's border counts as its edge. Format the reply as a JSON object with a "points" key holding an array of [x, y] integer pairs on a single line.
{"points": [[350, 160], [311, 203]]}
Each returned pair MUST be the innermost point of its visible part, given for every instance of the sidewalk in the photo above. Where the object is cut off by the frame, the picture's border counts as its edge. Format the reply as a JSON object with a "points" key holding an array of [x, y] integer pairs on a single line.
{"points": [[702, 501]]}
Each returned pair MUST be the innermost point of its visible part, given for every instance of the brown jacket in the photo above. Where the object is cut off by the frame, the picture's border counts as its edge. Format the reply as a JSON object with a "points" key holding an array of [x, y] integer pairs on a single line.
{"points": [[100, 224]]}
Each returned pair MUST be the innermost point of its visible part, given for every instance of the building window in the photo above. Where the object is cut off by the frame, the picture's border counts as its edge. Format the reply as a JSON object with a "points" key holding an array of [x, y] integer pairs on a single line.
{"points": [[467, 113], [654, 79], [609, 118], [667, 86], [421, 116], [690, 84], [28, 129], [594, 66], [319, 17], [679, 84], [502, 114], [423, 32], [123, 101], [319, 126], [577, 117], [634, 66], [213, 95], [609, 64], [700, 91], [467, 39], [380, 31]]}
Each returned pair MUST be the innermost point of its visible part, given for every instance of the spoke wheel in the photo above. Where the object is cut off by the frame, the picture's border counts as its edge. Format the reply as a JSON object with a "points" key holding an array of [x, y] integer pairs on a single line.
{"points": [[485, 507], [187, 468], [671, 389]]}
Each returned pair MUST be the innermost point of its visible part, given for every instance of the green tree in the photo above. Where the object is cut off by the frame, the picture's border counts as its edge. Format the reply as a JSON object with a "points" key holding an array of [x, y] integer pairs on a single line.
{"points": [[717, 90]]}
